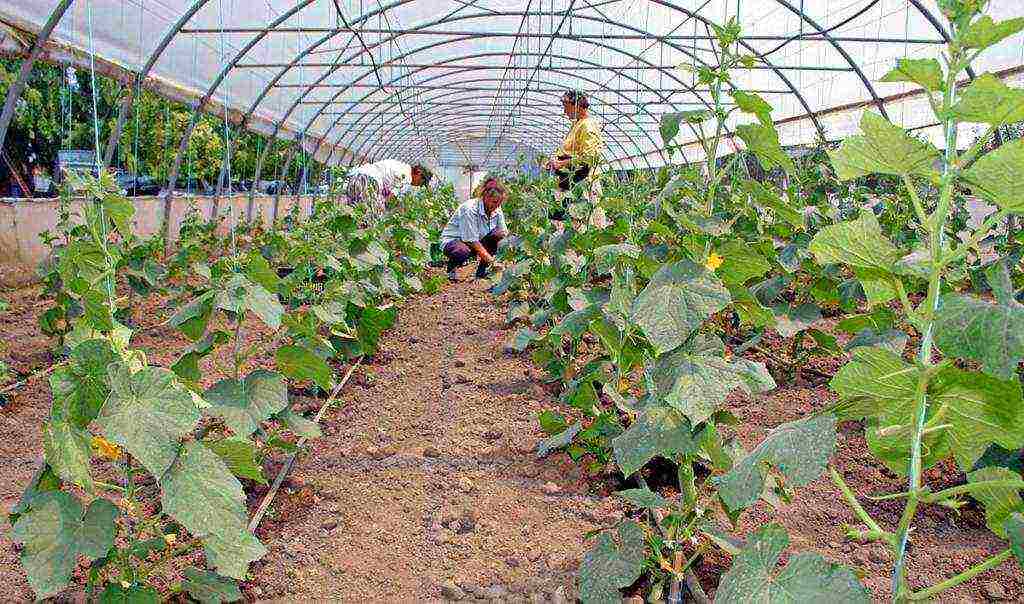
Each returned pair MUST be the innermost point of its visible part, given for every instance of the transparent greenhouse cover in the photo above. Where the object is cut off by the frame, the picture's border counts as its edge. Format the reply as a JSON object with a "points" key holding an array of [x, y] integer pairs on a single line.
{"points": [[477, 82]]}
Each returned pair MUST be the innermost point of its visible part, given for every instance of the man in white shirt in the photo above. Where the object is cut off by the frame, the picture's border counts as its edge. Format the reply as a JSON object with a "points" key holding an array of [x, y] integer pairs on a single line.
{"points": [[381, 182], [475, 229]]}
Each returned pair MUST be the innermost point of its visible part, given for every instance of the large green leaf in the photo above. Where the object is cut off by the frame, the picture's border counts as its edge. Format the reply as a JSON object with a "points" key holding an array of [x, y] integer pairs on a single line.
{"points": [[299, 425], [770, 199], [676, 301], [748, 102], [975, 329], [239, 294], [210, 588], [669, 126], [998, 178], [644, 498], [972, 410], [372, 323], [925, 72], [80, 387], [800, 450], [697, 384], [231, 552], [857, 243], [791, 319], [193, 318], [240, 457], [988, 100], [763, 141], [299, 363], [55, 533], [882, 149], [148, 413], [892, 446], [607, 256], [658, 430], [98, 313], [979, 410], [559, 440], [740, 263], [200, 492], [985, 32], [243, 404], [258, 271], [1014, 527], [755, 578], [1000, 501], [68, 451], [609, 566]]}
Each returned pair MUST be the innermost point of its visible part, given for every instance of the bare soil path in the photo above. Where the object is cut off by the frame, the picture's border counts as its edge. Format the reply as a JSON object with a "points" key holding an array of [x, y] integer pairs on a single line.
{"points": [[425, 486]]}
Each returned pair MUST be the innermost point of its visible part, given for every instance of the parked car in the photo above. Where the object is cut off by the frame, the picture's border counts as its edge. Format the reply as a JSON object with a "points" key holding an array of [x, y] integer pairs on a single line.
{"points": [[190, 186], [275, 187], [134, 185]]}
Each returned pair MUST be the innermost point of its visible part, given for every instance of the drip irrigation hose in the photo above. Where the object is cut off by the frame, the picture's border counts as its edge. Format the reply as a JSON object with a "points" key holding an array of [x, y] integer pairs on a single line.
{"points": [[269, 498]]}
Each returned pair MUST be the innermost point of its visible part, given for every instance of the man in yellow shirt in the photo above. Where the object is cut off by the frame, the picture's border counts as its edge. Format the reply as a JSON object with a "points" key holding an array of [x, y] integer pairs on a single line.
{"points": [[577, 161]]}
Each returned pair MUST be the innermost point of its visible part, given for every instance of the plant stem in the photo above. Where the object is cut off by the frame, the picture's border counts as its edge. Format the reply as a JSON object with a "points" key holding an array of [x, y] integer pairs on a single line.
{"points": [[860, 512], [238, 343], [967, 488], [108, 486], [967, 575], [914, 483], [936, 226]]}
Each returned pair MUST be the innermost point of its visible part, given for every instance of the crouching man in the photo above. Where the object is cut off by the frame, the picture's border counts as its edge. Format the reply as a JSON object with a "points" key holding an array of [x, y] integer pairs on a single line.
{"points": [[475, 229]]}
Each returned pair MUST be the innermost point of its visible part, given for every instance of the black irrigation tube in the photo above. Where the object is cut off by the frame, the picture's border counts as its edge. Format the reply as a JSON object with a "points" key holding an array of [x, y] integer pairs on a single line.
{"points": [[290, 461]]}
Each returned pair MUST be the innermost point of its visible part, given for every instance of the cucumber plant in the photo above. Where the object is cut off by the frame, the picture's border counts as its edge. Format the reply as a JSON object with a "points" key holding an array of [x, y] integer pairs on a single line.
{"points": [[957, 392]]}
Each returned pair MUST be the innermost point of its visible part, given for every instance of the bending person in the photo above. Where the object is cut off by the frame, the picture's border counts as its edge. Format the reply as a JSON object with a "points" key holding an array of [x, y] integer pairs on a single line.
{"points": [[475, 229], [379, 184], [577, 162]]}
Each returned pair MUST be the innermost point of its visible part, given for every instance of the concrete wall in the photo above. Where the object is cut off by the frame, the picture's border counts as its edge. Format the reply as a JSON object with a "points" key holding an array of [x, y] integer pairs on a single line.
{"points": [[22, 222]]}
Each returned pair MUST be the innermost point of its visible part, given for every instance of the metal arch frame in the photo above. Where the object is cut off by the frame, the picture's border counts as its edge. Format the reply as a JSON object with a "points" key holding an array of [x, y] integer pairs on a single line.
{"points": [[426, 25], [524, 142], [553, 121], [366, 136], [386, 144], [200, 3], [539, 121], [839, 48], [661, 39], [685, 86], [450, 18], [454, 72], [18, 86], [535, 123], [328, 73]]}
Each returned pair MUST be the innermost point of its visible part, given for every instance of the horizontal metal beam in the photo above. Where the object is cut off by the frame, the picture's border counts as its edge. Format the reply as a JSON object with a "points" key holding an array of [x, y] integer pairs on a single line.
{"points": [[806, 37], [618, 91], [532, 67], [597, 103]]}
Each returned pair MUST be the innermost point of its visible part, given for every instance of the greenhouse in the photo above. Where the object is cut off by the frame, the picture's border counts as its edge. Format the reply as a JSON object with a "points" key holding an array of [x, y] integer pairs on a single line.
{"points": [[745, 325]]}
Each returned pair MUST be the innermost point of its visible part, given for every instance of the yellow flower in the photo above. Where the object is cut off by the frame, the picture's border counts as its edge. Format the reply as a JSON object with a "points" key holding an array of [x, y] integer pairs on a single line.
{"points": [[170, 538], [105, 448], [714, 261]]}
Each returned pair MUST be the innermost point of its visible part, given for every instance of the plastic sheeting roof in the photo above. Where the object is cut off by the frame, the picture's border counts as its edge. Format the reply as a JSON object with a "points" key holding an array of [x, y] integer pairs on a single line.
{"points": [[477, 82]]}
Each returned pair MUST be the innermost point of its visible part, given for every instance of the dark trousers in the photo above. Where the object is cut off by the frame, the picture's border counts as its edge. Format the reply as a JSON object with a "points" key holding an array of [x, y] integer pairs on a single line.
{"points": [[459, 253]]}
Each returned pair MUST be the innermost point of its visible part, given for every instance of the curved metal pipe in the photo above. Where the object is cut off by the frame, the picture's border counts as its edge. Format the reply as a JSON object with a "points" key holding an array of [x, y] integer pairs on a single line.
{"points": [[18, 86]]}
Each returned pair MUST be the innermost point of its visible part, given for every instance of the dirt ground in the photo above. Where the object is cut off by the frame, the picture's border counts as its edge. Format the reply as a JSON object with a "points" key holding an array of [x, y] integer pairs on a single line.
{"points": [[425, 486]]}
